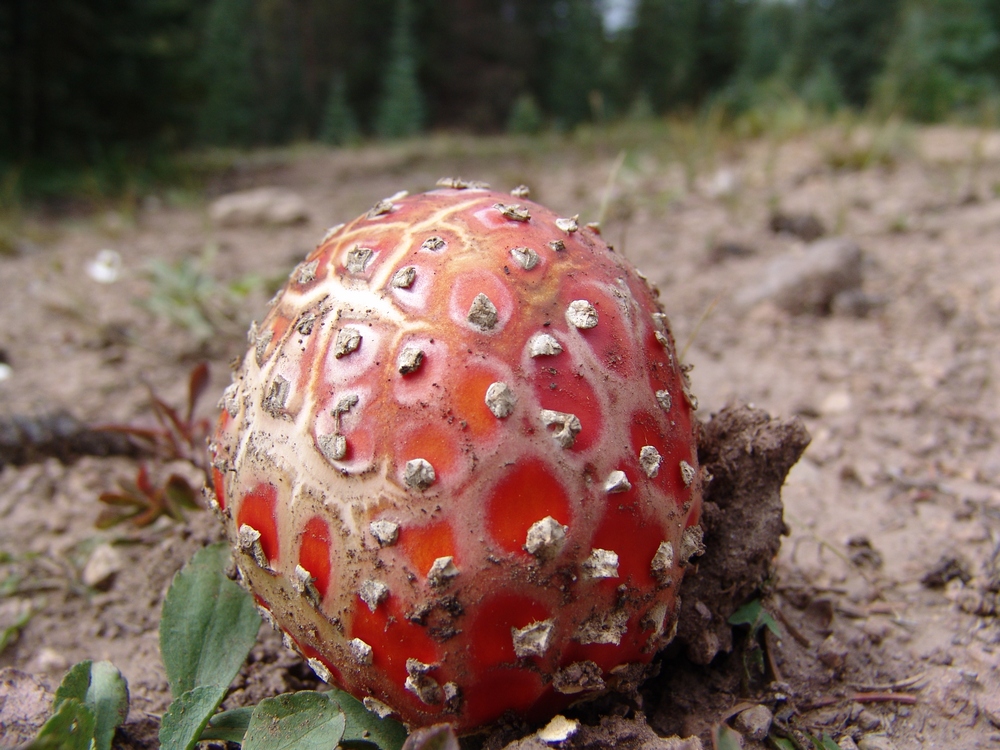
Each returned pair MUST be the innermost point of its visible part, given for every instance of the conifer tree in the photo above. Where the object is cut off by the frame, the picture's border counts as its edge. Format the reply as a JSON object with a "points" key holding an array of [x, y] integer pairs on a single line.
{"points": [[283, 109], [663, 50], [401, 109], [852, 38], [339, 126], [525, 117], [227, 115], [576, 63], [88, 81], [939, 60]]}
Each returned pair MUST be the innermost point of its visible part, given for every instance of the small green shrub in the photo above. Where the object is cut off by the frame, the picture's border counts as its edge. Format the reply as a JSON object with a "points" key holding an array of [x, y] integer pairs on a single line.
{"points": [[525, 116], [340, 126]]}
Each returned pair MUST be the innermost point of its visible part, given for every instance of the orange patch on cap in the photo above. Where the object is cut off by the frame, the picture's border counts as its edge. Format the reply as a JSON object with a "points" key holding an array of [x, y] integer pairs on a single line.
{"points": [[519, 689], [436, 444], [314, 553], [393, 638], [491, 641], [219, 488], [469, 398], [425, 544], [527, 493], [259, 511]]}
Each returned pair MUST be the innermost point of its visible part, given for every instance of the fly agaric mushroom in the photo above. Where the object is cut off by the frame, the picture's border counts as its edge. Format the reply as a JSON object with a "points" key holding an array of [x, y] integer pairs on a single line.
{"points": [[458, 463]]}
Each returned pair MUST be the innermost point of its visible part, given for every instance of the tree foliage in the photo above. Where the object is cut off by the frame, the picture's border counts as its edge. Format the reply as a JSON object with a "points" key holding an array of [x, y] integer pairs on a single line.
{"points": [[681, 51], [401, 110], [227, 113], [88, 82], [110, 82], [576, 45], [940, 60], [340, 125]]}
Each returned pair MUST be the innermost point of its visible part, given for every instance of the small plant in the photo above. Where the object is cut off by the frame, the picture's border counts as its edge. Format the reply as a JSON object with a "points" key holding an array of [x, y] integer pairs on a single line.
{"points": [[178, 436], [525, 117], [208, 626], [187, 295], [753, 615], [802, 741], [725, 738], [142, 502], [864, 147], [90, 704], [10, 633], [695, 143]]}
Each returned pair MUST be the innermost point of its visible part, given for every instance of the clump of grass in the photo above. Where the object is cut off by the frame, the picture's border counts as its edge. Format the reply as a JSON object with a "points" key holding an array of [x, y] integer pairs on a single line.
{"points": [[695, 142], [865, 144], [186, 294]]}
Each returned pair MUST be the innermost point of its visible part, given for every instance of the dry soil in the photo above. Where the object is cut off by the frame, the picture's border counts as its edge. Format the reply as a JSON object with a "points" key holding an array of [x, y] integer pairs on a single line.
{"points": [[885, 590]]}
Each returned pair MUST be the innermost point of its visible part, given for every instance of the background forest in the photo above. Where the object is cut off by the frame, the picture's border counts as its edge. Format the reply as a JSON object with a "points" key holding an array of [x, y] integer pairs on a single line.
{"points": [[113, 86], [164, 164]]}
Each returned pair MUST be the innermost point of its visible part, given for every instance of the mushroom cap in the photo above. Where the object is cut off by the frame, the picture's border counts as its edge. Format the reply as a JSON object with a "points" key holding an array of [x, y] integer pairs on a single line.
{"points": [[458, 462]]}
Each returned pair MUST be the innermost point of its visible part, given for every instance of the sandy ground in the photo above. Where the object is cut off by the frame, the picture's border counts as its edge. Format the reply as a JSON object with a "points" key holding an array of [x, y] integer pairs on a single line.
{"points": [[900, 394]]}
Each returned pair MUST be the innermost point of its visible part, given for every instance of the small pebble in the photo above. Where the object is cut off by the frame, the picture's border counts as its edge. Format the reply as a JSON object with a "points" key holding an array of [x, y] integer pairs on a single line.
{"points": [[875, 742], [832, 653], [558, 730], [104, 564], [50, 661], [755, 722], [869, 722], [106, 267]]}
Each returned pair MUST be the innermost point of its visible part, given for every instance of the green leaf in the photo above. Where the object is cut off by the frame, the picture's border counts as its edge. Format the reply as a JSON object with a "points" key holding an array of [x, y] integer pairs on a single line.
{"points": [[101, 687], [826, 743], [12, 631], [178, 494], [304, 721], [726, 738], [70, 728], [209, 624], [10, 584], [230, 726], [365, 728], [753, 614], [182, 724], [780, 743], [109, 517]]}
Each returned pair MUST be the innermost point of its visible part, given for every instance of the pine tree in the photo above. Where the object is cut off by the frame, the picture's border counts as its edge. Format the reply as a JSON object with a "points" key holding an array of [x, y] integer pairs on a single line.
{"points": [[663, 50], [283, 110], [85, 81], [681, 51], [525, 117], [852, 37], [401, 109], [227, 116], [576, 62], [339, 126], [939, 61]]}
